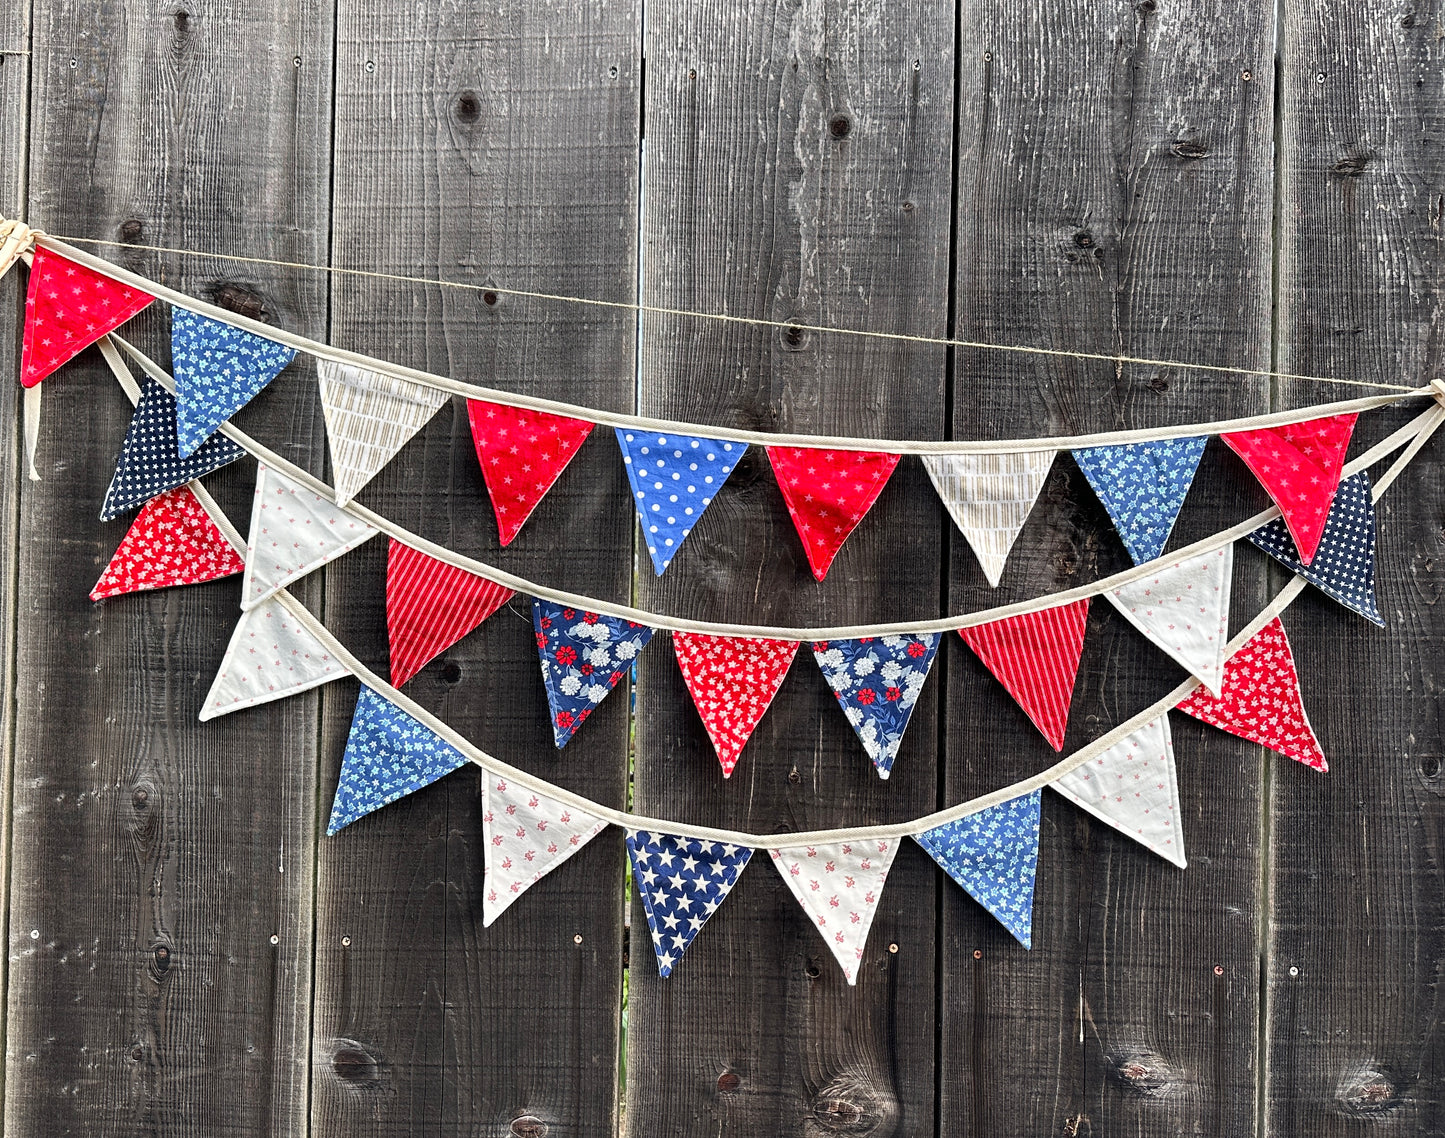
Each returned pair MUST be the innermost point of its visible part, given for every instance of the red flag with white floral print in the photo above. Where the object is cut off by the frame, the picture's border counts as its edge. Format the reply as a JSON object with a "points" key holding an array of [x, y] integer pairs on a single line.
{"points": [[828, 492], [172, 541], [430, 605], [522, 454], [69, 307], [1260, 700], [732, 680], [839, 885]]}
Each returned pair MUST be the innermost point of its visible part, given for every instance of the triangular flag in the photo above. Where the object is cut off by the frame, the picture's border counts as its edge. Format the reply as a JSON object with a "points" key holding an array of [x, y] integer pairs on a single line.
{"points": [[521, 453], [1143, 486], [430, 605], [369, 417], [219, 368], [527, 835], [1036, 657], [1300, 466], [293, 532], [681, 881], [1261, 699], [674, 478], [1133, 787], [994, 855], [172, 541], [1344, 561], [989, 497], [149, 463], [732, 680], [839, 884], [1184, 610], [877, 680], [271, 655], [583, 654], [389, 754], [68, 307], [827, 493]]}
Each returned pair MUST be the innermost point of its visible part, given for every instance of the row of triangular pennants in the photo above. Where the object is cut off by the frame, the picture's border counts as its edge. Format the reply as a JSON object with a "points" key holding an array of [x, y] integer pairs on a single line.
{"points": [[370, 415]]}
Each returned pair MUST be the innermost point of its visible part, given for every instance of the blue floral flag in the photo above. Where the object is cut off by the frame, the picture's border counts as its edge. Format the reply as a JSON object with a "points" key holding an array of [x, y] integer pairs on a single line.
{"points": [[994, 855], [389, 754], [1143, 485], [149, 463], [583, 654], [219, 369], [674, 478], [681, 881], [877, 681], [1344, 564]]}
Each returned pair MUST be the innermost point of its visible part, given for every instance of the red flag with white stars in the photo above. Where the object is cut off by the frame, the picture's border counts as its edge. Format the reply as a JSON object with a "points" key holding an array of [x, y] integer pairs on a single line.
{"points": [[172, 541], [828, 492], [68, 308], [430, 605], [1300, 466], [522, 453], [1260, 700], [732, 680]]}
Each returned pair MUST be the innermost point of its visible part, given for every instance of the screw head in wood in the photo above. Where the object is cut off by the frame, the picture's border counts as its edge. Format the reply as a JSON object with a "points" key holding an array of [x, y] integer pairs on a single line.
{"points": [[577, 939]]}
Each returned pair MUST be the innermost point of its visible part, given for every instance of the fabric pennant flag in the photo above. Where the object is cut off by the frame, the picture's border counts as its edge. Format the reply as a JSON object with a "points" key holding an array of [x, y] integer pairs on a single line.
{"points": [[430, 605], [827, 492], [732, 680], [68, 307], [681, 881], [219, 368], [527, 835], [389, 754], [1300, 465], [989, 497], [1143, 486], [294, 531], [1184, 610], [369, 417], [674, 478], [149, 463], [522, 453], [1261, 699], [839, 884], [1133, 787], [994, 855], [583, 655], [1036, 657], [172, 541], [271, 655], [1344, 561], [877, 681]]}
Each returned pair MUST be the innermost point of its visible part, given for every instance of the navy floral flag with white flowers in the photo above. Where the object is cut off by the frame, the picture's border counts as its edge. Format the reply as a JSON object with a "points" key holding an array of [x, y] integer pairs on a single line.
{"points": [[877, 681], [584, 655]]}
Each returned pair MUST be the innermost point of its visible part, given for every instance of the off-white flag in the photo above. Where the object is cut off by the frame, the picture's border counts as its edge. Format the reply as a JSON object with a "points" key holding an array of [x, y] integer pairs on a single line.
{"points": [[369, 417], [527, 835], [271, 655], [838, 885], [989, 497]]}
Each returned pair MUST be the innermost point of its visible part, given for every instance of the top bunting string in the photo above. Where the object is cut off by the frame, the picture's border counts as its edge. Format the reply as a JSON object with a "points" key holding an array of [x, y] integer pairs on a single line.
{"points": [[802, 635]]}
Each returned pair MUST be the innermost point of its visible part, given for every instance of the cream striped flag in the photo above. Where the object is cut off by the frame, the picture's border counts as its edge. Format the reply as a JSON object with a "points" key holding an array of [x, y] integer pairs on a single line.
{"points": [[430, 605], [989, 497]]}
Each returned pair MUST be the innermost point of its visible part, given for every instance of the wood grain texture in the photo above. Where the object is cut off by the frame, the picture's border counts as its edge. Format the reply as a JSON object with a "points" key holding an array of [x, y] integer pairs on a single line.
{"points": [[1356, 919], [1114, 196], [495, 148], [797, 168], [155, 858]]}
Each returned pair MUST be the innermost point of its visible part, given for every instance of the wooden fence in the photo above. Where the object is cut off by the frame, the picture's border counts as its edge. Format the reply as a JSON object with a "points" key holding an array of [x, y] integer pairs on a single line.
{"points": [[1202, 180]]}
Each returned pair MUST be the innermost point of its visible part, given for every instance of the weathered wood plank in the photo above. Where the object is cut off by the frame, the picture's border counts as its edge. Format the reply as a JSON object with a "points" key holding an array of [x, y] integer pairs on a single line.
{"points": [[155, 858], [1356, 943], [797, 167], [1114, 196], [496, 148]]}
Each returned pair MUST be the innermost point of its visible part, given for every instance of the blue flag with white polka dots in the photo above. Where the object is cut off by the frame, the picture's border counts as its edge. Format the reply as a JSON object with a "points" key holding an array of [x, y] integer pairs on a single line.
{"points": [[681, 881], [1344, 563], [674, 478], [389, 754], [1143, 486], [149, 463], [219, 369], [994, 855]]}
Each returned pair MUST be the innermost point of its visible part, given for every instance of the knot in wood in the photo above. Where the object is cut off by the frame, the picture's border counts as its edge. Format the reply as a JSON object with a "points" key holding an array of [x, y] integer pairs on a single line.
{"points": [[160, 963], [1366, 1092], [1351, 165], [239, 297], [528, 1126], [840, 126], [851, 1104], [355, 1064], [729, 1082], [1188, 150], [468, 107], [1145, 1073], [132, 231]]}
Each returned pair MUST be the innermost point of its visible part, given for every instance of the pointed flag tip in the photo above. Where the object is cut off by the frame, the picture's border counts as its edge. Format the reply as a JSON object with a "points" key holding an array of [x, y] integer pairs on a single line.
{"points": [[674, 479], [877, 681], [828, 492]]}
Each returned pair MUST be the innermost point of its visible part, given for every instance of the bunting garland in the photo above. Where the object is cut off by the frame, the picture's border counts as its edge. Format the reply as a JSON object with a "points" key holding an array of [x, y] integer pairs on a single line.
{"points": [[271, 655], [1184, 610], [732, 680], [828, 492], [526, 835], [522, 453], [369, 416], [172, 541], [219, 369], [583, 656], [877, 681], [1143, 486], [681, 881], [839, 885], [68, 307], [989, 497], [674, 478]]}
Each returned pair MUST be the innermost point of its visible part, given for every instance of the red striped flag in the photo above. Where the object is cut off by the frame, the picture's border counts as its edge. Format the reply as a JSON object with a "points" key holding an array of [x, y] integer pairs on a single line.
{"points": [[1036, 657], [430, 605]]}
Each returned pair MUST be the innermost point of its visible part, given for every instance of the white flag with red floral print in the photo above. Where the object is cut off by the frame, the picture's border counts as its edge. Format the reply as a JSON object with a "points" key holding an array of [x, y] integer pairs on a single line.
{"points": [[527, 835], [839, 884]]}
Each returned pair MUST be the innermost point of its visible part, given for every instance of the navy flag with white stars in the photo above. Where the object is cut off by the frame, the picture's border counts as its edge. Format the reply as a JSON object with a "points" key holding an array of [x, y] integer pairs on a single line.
{"points": [[681, 881]]}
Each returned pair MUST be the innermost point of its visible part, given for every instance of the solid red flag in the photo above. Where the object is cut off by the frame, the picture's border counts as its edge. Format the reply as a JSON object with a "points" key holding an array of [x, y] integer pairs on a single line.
{"points": [[68, 308], [430, 605], [827, 493], [522, 453], [1035, 655], [732, 680], [172, 541]]}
